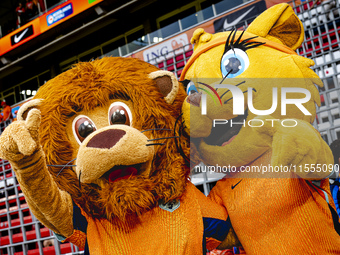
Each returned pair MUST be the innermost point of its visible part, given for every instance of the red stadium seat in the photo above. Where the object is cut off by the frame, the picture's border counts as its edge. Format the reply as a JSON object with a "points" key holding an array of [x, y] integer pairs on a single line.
{"points": [[16, 222], [11, 199], [169, 61], [180, 64], [14, 208], [188, 53], [65, 248], [30, 235], [179, 57], [171, 68], [161, 65], [8, 166], [47, 251]]}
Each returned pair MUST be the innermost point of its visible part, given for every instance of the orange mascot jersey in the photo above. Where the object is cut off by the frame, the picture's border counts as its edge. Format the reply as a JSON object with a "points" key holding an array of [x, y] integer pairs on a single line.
{"points": [[162, 230], [296, 207]]}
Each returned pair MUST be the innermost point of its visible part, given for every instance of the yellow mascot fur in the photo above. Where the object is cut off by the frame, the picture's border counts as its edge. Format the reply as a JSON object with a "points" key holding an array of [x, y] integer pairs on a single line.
{"points": [[288, 210]]}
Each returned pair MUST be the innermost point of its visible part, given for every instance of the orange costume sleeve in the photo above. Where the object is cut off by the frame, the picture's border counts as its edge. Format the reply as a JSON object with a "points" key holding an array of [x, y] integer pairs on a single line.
{"points": [[78, 236], [215, 219]]}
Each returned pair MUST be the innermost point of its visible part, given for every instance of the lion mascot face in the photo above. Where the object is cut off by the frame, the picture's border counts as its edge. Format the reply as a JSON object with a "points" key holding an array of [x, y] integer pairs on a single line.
{"points": [[113, 98]]}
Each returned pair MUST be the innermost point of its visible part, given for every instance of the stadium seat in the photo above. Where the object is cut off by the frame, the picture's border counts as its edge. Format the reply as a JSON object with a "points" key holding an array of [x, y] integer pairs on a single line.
{"points": [[169, 61], [180, 64], [46, 250], [171, 68], [188, 53], [179, 57]]}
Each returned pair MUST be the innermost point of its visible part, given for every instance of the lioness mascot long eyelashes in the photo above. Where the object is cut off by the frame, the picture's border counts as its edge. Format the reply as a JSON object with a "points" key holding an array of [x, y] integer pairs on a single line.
{"points": [[289, 215], [99, 154]]}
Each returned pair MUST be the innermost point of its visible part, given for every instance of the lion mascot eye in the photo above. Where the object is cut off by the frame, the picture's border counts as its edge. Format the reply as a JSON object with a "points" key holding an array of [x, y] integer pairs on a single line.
{"points": [[82, 126], [120, 113]]}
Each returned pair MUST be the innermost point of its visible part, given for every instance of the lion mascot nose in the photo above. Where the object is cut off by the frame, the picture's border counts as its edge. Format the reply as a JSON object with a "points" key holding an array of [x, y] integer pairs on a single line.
{"points": [[106, 139]]}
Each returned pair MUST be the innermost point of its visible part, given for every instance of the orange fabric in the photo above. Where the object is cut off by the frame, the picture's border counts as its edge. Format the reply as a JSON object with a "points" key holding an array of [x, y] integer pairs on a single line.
{"points": [[287, 214], [212, 243], [6, 112], [222, 40], [77, 238], [157, 231], [226, 252]]}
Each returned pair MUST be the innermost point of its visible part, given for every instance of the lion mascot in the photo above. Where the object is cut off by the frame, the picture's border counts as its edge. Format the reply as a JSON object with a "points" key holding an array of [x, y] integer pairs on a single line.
{"points": [[99, 156], [251, 101]]}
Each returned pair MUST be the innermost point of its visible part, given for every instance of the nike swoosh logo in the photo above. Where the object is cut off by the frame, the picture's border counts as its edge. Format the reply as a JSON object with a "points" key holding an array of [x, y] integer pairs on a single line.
{"points": [[17, 39], [233, 186], [236, 21]]}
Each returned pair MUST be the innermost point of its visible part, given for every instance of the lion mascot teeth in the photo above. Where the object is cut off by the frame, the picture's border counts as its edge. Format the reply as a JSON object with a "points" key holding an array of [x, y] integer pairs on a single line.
{"points": [[99, 157], [251, 101]]}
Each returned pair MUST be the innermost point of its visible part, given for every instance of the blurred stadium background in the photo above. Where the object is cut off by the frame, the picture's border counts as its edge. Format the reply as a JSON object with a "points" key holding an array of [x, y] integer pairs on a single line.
{"points": [[40, 44]]}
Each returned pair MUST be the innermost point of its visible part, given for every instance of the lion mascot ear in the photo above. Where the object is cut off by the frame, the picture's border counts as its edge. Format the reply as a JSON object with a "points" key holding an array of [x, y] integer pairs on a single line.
{"points": [[26, 107], [279, 24], [167, 83]]}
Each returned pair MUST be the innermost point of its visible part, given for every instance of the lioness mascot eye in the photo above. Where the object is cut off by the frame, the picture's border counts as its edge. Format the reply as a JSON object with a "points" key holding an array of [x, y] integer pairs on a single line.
{"points": [[276, 190], [99, 157]]}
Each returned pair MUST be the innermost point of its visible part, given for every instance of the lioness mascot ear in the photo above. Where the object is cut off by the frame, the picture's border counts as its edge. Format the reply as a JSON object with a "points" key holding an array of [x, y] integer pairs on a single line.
{"points": [[250, 105], [99, 157]]}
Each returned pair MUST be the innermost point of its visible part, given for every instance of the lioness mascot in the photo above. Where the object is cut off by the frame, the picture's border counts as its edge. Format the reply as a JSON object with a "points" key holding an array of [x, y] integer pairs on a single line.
{"points": [[276, 189]]}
